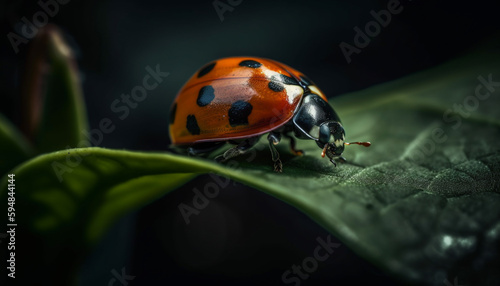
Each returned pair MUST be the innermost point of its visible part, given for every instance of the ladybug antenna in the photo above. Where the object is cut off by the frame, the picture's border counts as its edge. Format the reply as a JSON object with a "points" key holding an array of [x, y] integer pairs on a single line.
{"points": [[366, 144]]}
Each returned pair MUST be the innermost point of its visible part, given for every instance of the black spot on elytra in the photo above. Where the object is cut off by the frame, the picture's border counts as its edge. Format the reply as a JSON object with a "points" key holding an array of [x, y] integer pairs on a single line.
{"points": [[239, 112], [192, 125], [206, 69], [250, 64], [275, 86], [288, 80], [306, 80], [172, 113], [205, 96]]}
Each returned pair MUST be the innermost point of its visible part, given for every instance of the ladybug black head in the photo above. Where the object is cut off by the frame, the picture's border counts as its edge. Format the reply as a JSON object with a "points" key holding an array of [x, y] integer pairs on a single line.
{"points": [[331, 139], [316, 120]]}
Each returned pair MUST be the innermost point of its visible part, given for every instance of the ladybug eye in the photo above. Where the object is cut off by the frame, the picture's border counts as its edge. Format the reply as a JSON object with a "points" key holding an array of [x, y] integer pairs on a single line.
{"points": [[324, 134]]}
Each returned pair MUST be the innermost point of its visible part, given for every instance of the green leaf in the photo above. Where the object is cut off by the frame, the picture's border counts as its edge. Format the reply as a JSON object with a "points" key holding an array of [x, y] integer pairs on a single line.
{"points": [[67, 199], [14, 149], [421, 203], [53, 108]]}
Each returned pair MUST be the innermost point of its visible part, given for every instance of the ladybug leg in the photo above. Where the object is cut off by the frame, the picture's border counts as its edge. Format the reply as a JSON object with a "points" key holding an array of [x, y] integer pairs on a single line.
{"points": [[340, 158], [292, 146], [237, 150], [275, 138]]}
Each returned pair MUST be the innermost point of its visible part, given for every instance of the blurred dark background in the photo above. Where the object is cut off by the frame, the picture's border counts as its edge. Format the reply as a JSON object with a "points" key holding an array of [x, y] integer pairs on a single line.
{"points": [[242, 237]]}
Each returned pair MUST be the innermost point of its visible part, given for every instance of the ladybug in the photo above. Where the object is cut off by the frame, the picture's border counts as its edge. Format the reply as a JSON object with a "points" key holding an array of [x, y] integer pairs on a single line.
{"points": [[236, 100]]}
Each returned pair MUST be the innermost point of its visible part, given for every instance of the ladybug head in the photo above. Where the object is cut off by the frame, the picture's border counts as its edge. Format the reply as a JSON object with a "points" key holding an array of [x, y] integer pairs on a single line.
{"points": [[331, 139], [316, 120]]}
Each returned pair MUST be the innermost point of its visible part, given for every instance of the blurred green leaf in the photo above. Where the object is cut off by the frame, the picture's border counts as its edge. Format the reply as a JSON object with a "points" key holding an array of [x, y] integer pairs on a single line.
{"points": [[14, 149], [67, 199], [422, 202], [53, 109]]}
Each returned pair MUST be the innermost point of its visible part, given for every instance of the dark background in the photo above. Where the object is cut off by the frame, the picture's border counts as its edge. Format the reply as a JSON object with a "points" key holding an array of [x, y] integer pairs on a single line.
{"points": [[242, 237]]}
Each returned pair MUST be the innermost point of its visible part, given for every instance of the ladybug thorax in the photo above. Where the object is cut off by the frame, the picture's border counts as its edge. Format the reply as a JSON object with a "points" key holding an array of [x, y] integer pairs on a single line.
{"points": [[316, 120]]}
